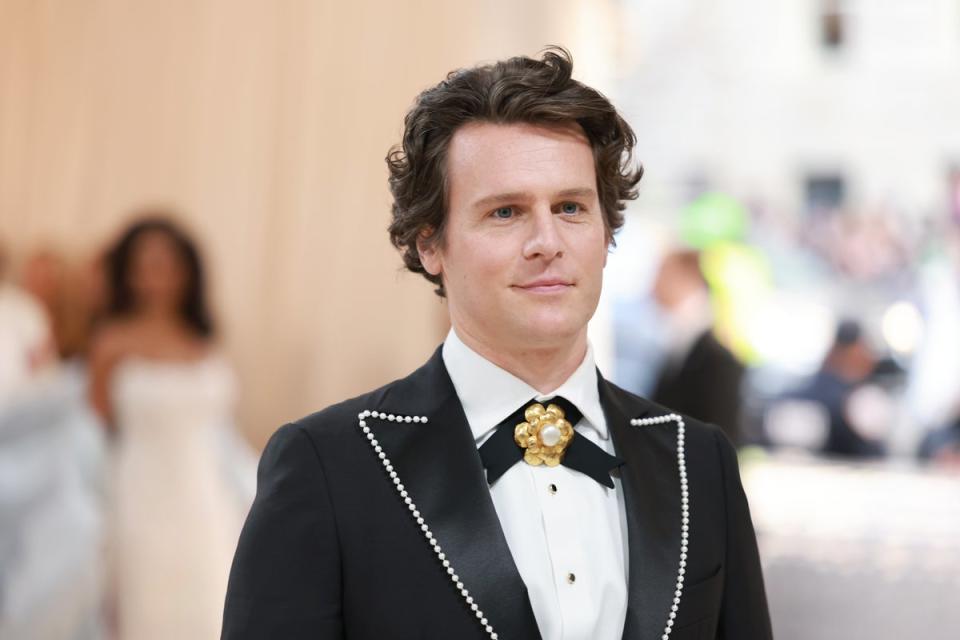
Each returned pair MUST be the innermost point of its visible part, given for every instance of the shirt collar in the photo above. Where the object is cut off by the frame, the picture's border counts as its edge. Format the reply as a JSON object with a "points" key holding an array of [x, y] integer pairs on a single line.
{"points": [[489, 394]]}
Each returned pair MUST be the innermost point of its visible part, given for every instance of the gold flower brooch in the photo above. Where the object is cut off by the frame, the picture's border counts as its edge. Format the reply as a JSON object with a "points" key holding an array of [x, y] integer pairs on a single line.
{"points": [[544, 436]]}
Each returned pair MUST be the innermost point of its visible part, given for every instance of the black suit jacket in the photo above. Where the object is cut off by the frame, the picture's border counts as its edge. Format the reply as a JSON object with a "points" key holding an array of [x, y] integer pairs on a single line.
{"points": [[330, 549], [705, 386]]}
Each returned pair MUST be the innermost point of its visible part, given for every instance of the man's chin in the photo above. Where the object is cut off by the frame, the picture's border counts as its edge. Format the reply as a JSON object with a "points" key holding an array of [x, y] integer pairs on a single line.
{"points": [[550, 332]]}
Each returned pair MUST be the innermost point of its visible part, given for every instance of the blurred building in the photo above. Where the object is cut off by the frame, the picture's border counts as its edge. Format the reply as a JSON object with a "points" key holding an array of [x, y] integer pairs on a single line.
{"points": [[801, 105]]}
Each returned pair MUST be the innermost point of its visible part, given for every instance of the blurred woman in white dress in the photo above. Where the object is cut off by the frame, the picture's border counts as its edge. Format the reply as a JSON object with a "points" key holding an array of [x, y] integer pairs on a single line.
{"points": [[167, 394]]}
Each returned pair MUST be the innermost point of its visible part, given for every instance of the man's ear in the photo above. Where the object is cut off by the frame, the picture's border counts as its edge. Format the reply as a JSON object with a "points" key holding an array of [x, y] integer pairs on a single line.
{"points": [[428, 249]]}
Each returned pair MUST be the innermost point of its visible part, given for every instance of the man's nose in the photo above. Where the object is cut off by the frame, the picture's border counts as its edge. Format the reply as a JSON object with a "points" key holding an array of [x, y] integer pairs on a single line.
{"points": [[544, 240]]}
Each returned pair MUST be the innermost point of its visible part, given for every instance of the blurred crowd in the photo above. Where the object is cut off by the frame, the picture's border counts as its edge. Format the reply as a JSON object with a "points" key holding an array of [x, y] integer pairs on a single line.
{"points": [[835, 332]]}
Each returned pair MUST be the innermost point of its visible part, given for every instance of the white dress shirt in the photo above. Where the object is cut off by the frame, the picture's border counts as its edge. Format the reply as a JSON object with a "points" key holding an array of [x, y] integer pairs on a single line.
{"points": [[566, 531]]}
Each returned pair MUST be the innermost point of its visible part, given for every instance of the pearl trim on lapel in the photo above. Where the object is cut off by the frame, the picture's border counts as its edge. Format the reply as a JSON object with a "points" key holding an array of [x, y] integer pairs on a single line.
{"points": [[398, 485], [684, 510], [415, 513]]}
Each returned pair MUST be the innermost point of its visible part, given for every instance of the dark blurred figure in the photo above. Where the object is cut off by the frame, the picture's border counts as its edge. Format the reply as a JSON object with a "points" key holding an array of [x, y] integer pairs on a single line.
{"points": [[700, 377], [942, 447], [847, 367]]}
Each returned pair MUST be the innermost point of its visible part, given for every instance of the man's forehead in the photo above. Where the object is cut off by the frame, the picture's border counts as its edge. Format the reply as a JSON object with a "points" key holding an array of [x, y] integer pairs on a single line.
{"points": [[488, 159], [481, 134]]}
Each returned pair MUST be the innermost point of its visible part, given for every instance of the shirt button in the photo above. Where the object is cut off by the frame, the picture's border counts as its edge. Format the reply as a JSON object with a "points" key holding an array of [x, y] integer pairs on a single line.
{"points": [[571, 578], [552, 488]]}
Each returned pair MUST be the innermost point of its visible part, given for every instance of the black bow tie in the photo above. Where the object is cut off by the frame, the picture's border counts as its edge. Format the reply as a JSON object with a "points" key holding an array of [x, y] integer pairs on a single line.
{"points": [[500, 451]]}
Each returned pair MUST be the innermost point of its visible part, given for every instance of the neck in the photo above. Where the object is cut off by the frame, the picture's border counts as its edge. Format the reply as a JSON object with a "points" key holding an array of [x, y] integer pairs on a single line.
{"points": [[543, 368], [158, 314]]}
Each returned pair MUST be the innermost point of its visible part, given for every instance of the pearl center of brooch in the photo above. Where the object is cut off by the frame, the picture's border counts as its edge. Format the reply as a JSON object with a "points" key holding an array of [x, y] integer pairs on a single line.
{"points": [[550, 435]]}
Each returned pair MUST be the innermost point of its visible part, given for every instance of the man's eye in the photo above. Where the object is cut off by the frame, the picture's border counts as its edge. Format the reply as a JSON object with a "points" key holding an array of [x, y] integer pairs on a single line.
{"points": [[504, 213], [570, 207]]}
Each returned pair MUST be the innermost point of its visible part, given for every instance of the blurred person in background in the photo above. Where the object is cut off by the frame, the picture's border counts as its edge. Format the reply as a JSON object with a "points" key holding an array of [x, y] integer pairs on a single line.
{"points": [[700, 377], [942, 446], [26, 338], [42, 274], [50, 460], [71, 293], [162, 387], [846, 369]]}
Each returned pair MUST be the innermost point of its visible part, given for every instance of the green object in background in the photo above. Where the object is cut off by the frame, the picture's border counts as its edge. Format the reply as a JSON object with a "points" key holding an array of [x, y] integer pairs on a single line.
{"points": [[738, 274], [740, 283], [712, 218]]}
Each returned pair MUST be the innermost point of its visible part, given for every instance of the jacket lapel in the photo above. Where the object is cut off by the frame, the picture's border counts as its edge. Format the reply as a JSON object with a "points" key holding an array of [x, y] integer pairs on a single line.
{"points": [[651, 488], [439, 465]]}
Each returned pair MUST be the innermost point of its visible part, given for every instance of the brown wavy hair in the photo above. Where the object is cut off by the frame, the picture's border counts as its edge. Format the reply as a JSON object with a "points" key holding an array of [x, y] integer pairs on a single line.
{"points": [[517, 90]]}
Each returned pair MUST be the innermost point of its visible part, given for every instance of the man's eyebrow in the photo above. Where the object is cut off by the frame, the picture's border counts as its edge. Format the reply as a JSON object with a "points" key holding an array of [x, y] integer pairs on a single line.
{"points": [[498, 198], [515, 196], [579, 192]]}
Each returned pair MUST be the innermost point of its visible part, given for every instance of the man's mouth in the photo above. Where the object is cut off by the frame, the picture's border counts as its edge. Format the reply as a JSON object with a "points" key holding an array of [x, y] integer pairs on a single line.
{"points": [[545, 285]]}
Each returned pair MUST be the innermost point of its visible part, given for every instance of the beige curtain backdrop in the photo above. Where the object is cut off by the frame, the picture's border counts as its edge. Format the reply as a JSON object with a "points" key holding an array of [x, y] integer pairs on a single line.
{"points": [[266, 122]]}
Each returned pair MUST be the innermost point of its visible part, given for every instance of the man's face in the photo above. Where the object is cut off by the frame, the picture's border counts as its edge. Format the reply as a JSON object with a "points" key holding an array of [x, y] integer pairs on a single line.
{"points": [[524, 247]]}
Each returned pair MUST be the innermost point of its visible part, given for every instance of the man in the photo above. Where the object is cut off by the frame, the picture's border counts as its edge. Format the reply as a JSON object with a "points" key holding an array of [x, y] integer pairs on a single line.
{"points": [[700, 378], [846, 369], [471, 499]]}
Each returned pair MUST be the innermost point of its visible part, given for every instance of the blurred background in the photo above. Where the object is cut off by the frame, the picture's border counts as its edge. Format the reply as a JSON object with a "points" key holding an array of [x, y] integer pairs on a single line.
{"points": [[790, 272]]}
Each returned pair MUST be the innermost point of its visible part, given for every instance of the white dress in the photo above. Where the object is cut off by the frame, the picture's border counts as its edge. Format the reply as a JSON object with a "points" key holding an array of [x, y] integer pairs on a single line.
{"points": [[177, 512]]}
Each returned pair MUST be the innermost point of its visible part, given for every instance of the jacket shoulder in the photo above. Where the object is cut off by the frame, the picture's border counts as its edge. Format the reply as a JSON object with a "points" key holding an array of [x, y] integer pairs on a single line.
{"points": [[341, 415], [696, 432], [411, 394]]}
